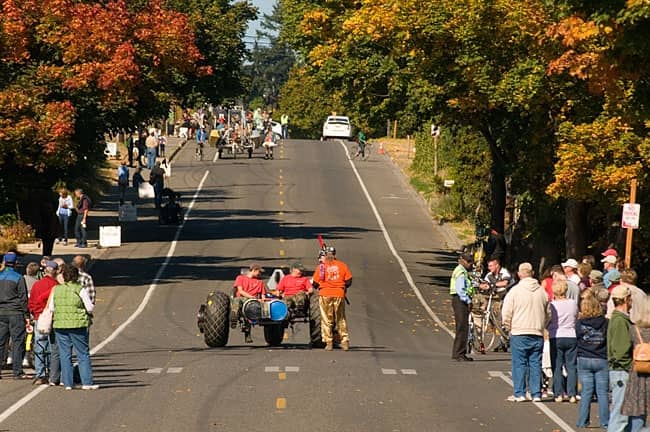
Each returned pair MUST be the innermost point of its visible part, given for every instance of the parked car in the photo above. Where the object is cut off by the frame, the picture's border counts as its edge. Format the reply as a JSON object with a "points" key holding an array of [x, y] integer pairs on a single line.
{"points": [[337, 127]]}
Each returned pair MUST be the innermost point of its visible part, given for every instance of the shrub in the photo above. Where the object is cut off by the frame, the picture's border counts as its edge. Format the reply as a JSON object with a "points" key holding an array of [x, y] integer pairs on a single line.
{"points": [[14, 230]]}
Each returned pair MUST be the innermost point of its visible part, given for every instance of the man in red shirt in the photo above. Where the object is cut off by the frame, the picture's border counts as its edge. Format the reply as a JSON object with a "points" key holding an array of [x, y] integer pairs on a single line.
{"points": [[294, 288], [42, 348], [247, 286], [332, 278]]}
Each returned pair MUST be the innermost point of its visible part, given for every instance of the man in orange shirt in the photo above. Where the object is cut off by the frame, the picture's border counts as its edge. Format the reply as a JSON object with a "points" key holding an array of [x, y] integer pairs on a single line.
{"points": [[333, 278]]}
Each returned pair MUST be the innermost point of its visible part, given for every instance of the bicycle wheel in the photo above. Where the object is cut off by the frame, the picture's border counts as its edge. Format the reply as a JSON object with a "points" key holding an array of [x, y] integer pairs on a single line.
{"points": [[501, 333], [489, 333], [477, 336]]}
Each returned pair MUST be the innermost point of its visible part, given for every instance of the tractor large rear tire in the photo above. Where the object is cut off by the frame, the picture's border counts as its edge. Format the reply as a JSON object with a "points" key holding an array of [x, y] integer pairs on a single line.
{"points": [[217, 319], [274, 334], [315, 337]]}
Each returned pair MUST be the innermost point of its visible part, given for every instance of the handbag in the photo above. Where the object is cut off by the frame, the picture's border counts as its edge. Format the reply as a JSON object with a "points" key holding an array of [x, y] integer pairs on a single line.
{"points": [[641, 355], [45, 319]]}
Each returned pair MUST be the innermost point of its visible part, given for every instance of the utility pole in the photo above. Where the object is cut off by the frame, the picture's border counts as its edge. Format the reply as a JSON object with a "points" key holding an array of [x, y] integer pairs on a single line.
{"points": [[630, 230]]}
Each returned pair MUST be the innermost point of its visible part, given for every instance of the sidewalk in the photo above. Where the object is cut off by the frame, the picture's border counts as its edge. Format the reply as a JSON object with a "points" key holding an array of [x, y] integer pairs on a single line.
{"points": [[103, 213]]}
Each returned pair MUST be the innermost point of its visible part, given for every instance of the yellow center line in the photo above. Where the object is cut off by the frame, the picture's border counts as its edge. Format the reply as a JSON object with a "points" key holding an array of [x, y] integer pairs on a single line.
{"points": [[280, 403], [281, 202], [280, 213], [281, 252], [281, 240], [281, 192], [282, 376]]}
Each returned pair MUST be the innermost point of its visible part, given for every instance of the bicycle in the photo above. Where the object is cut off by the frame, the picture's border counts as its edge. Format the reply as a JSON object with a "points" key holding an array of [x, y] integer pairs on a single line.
{"points": [[486, 326], [364, 148], [199, 151]]}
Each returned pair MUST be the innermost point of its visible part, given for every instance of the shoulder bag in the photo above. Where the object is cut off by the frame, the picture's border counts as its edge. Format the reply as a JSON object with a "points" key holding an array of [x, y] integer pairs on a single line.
{"points": [[641, 355], [44, 323]]}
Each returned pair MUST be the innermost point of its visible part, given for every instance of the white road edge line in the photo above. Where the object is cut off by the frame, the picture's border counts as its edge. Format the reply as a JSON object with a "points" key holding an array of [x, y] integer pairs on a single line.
{"points": [[154, 284], [415, 289], [389, 242], [216, 156], [561, 423]]}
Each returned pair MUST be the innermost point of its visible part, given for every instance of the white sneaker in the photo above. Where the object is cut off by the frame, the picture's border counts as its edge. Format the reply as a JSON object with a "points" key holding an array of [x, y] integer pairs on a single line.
{"points": [[68, 388], [90, 387], [516, 398], [537, 399]]}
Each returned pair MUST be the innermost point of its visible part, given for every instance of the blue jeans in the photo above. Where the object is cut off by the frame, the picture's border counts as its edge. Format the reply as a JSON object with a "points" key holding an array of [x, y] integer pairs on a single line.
{"points": [[13, 326], [151, 157], [63, 220], [46, 356], [527, 361], [80, 232], [594, 375], [77, 338], [617, 384], [563, 353]]}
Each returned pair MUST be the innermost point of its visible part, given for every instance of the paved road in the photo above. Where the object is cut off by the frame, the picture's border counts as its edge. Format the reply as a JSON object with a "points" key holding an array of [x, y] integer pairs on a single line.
{"points": [[157, 375]]}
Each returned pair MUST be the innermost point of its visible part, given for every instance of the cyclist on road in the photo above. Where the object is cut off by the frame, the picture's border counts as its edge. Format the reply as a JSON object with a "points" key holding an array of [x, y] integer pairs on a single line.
{"points": [[461, 290], [361, 141]]}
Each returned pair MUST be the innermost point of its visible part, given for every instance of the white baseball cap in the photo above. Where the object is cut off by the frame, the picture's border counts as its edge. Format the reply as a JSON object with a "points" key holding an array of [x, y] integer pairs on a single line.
{"points": [[570, 263]]}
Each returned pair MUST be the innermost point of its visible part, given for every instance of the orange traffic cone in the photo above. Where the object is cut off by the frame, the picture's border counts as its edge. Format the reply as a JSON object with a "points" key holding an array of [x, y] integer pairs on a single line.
{"points": [[381, 148]]}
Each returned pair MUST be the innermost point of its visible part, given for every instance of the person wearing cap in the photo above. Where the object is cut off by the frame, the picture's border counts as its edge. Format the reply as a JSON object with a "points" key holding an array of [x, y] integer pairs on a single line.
{"points": [[332, 278], [525, 314], [628, 279], [247, 286], [609, 270], [294, 288], [570, 268], [619, 355], [37, 302], [461, 291], [14, 314]]}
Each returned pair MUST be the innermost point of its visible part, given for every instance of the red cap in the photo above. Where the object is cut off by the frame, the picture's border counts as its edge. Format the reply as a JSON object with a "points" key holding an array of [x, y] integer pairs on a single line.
{"points": [[610, 252]]}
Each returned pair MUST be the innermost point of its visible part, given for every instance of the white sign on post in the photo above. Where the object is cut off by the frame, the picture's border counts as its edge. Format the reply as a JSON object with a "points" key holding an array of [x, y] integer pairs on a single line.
{"points": [[110, 236], [631, 213]]}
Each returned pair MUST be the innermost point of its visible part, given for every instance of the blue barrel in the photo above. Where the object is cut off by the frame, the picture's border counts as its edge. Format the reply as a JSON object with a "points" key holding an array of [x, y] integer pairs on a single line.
{"points": [[278, 310]]}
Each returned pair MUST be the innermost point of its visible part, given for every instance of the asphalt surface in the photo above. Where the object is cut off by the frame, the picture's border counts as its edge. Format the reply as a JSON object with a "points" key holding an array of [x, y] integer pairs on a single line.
{"points": [[158, 375]]}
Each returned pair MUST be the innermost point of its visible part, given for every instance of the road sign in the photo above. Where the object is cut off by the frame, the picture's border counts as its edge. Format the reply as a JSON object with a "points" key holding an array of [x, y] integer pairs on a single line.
{"points": [[630, 218]]}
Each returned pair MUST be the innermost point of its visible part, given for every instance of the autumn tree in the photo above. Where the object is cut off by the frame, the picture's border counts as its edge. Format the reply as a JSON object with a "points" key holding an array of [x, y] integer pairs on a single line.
{"points": [[72, 71], [605, 47]]}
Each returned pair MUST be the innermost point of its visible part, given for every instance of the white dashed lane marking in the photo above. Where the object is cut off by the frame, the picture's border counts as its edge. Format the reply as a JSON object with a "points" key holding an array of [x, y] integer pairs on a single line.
{"points": [[399, 371], [278, 369], [171, 370]]}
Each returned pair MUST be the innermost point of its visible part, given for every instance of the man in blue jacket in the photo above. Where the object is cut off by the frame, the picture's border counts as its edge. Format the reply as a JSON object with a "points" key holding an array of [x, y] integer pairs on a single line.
{"points": [[14, 314]]}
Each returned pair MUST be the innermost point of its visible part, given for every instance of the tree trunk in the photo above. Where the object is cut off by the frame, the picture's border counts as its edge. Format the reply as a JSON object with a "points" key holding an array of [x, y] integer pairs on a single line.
{"points": [[576, 229], [498, 193]]}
